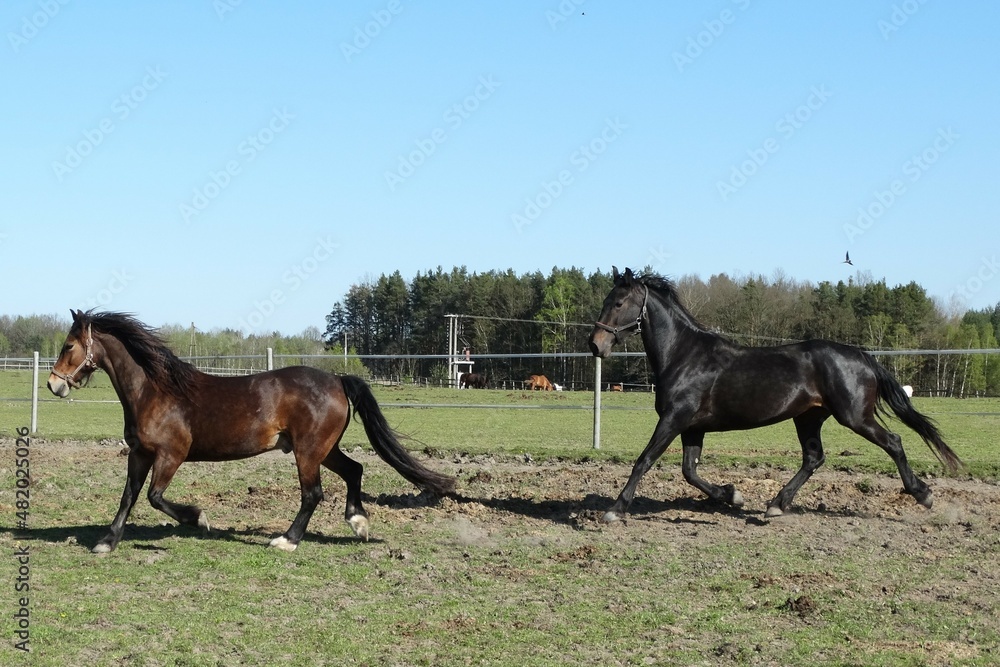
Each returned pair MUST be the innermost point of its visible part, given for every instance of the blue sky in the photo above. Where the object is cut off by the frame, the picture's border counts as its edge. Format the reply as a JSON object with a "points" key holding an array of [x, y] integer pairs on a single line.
{"points": [[241, 164]]}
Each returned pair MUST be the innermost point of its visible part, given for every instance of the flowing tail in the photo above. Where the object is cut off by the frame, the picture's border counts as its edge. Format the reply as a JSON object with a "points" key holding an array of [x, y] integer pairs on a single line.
{"points": [[892, 393], [385, 443]]}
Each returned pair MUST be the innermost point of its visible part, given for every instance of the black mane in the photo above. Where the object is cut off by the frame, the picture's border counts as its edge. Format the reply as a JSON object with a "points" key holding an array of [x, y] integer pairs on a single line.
{"points": [[144, 345], [666, 288]]}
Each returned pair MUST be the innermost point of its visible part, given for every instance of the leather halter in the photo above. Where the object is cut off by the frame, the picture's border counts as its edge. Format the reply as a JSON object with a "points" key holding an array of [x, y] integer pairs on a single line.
{"points": [[635, 324], [88, 362]]}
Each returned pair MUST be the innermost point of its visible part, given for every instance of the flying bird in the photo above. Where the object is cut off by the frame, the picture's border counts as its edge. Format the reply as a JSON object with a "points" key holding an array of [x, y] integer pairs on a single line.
{"points": [[847, 259]]}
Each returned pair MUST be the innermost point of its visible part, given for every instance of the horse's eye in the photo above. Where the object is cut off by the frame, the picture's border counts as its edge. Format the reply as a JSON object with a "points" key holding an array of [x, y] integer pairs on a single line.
{"points": [[618, 304]]}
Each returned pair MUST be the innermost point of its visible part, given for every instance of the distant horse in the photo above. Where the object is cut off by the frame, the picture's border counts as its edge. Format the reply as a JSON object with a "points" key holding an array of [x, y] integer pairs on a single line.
{"points": [[538, 382], [176, 413], [472, 381], [616, 387], [706, 383]]}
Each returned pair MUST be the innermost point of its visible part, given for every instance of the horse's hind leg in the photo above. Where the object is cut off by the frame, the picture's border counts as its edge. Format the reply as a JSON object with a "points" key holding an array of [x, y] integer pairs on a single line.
{"points": [[350, 471], [138, 469], [871, 430], [312, 494], [807, 426], [692, 455]]}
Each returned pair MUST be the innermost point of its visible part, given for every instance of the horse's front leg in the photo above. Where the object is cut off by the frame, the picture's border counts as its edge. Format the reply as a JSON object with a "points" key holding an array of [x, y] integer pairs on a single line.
{"points": [[164, 470], [664, 433], [139, 464]]}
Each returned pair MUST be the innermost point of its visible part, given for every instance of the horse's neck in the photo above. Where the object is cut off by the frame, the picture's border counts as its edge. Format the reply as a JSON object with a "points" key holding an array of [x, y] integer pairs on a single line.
{"points": [[126, 376], [665, 333]]}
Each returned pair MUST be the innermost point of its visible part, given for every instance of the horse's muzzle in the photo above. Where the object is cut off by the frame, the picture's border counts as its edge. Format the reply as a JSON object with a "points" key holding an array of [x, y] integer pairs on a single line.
{"points": [[601, 343], [58, 386]]}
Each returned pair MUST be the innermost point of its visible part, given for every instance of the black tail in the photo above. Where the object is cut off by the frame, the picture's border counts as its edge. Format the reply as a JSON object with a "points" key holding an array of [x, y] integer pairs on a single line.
{"points": [[385, 443], [890, 392]]}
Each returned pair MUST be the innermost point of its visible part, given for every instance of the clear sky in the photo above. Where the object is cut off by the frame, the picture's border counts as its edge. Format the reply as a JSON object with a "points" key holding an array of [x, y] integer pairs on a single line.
{"points": [[242, 163]]}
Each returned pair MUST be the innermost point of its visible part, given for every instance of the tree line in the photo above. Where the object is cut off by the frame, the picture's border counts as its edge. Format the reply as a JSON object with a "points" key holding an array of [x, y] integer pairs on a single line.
{"points": [[504, 312], [509, 313]]}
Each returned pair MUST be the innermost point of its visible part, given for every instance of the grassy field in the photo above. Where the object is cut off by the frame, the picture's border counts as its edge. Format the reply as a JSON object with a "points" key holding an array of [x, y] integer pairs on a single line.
{"points": [[517, 572]]}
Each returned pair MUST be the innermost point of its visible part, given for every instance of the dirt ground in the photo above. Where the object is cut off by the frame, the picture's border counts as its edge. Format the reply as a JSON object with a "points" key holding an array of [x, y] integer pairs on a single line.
{"points": [[500, 491], [837, 517]]}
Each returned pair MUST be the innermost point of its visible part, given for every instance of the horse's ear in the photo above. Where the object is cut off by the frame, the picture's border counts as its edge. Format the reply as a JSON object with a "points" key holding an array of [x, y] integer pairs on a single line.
{"points": [[628, 276], [76, 314], [614, 273]]}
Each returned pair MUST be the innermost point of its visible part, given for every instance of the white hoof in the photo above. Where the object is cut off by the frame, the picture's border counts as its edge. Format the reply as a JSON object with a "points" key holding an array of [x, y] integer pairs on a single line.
{"points": [[737, 499], [101, 549], [282, 543], [203, 522], [773, 511], [610, 517], [359, 524]]}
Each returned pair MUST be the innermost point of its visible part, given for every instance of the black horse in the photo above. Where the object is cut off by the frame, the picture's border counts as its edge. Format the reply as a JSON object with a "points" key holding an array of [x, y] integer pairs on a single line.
{"points": [[706, 383], [472, 381]]}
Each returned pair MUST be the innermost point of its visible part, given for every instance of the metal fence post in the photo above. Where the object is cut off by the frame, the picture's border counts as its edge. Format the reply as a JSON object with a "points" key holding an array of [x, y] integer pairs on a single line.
{"points": [[597, 402], [34, 393]]}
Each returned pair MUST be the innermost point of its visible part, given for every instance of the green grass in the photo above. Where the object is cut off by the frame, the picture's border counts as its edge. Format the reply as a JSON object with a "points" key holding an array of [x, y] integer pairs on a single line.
{"points": [[442, 585], [510, 584]]}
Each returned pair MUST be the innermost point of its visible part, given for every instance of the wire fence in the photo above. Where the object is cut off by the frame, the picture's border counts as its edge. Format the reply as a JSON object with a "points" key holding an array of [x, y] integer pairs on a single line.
{"points": [[946, 372], [379, 370]]}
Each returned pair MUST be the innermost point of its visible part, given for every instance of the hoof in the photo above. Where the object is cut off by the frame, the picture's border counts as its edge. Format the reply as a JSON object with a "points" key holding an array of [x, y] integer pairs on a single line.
{"points": [[359, 524], [101, 548], [203, 522], [611, 517], [736, 499], [928, 500], [281, 542], [773, 511]]}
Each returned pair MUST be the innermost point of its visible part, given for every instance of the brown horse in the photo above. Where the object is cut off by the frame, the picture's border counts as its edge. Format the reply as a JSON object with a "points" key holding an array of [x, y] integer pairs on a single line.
{"points": [[538, 382], [175, 413]]}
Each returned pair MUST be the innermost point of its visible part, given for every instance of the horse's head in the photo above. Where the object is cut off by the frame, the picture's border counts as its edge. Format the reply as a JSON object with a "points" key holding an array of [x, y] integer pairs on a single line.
{"points": [[624, 309], [78, 358]]}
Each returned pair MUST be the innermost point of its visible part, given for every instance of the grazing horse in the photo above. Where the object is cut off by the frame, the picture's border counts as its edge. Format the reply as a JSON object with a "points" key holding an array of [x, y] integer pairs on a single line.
{"points": [[175, 413], [472, 381], [707, 383], [539, 382]]}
